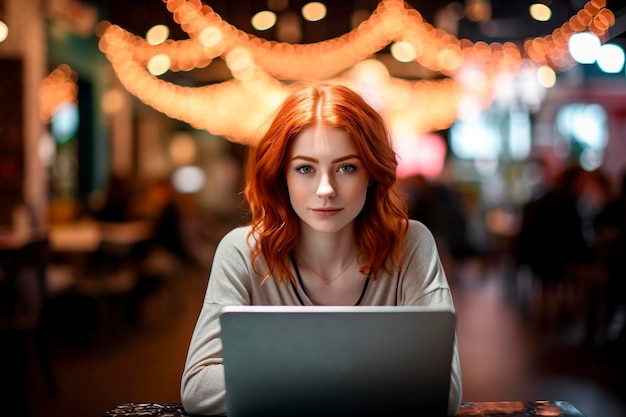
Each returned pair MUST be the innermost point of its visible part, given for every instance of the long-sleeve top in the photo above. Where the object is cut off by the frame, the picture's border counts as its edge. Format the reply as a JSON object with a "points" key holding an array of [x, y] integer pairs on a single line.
{"points": [[419, 281]]}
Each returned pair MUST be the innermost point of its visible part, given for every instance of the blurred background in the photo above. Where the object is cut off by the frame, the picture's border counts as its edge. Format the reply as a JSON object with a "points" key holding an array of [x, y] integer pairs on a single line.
{"points": [[124, 127]]}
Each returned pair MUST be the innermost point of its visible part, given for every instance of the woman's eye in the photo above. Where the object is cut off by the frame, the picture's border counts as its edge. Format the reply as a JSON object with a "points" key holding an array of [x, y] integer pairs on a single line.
{"points": [[306, 169], [346, 169]]}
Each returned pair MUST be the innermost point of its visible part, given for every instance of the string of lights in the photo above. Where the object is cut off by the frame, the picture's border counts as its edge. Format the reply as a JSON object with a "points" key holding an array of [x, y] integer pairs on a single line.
{"points": [[262, 70]]}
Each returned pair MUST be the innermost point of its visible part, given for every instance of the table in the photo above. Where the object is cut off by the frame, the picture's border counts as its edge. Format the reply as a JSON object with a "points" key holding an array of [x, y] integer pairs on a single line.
{"points": [[474, 409], [86, 235]]}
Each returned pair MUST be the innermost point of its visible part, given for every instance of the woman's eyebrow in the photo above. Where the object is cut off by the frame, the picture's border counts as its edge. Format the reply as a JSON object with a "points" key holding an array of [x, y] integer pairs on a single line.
{"points": [[334, 161], [344, 158], [305, 158]]}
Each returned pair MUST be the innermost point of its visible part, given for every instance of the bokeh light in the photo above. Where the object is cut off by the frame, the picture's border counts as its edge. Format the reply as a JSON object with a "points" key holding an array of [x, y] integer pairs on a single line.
{"points": [[4, 31], [188, 179], [263, 20], [546, 76], [584, 47], [540, 12], [314, 11], [157, 34], [611, 58]]}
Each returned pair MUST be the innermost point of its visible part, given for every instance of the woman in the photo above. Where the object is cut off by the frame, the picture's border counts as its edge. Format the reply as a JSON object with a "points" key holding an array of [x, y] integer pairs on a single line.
{"points": [[328, 228]]}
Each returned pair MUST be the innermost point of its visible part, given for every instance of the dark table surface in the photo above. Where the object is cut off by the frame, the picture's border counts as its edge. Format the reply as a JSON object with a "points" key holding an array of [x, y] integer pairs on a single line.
{"points": [[477, 409]]}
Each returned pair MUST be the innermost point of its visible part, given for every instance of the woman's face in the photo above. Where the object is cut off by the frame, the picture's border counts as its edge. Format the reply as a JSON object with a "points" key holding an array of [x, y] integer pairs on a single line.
{"points": [[326, 179]]}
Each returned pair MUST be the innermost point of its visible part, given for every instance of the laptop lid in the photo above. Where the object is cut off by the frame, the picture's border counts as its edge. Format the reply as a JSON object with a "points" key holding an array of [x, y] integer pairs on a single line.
{"points": [[337, 361]]}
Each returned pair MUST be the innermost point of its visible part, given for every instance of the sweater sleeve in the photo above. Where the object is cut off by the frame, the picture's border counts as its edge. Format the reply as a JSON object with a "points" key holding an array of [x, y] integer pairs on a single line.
{"points": [[203, 390], [442, 298], [431, 290]]}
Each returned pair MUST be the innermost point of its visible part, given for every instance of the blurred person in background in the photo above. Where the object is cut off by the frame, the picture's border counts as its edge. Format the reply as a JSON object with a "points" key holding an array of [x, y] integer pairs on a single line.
{"points": [[552, 243], [610, 236], [440, 208], [115, 204]]}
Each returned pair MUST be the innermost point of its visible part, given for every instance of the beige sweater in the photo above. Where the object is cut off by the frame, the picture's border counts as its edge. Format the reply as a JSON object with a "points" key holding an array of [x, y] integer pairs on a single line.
{"points": [[420, 281]]}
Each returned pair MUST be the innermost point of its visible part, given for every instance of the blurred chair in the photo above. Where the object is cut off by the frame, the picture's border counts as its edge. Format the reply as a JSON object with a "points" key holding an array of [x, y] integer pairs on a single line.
{"points": [[112, 278], [23, 289]]}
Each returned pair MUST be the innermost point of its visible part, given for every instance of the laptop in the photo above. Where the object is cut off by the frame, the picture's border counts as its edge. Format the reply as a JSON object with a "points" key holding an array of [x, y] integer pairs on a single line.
{"points": [[337, 361]]}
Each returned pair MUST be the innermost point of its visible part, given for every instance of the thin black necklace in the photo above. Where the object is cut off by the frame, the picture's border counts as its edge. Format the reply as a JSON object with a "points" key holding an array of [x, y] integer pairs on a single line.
{"points": [[295, 290], [329, 281]]}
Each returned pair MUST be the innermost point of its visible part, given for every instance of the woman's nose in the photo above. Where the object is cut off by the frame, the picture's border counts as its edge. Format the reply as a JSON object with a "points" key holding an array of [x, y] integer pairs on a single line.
{"points": [[325, 188]]}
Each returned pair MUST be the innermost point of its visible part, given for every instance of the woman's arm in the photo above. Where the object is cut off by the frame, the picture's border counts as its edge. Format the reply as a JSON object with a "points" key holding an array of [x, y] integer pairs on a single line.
{"points": [[441, 298], [203, 388], [431, 290]]}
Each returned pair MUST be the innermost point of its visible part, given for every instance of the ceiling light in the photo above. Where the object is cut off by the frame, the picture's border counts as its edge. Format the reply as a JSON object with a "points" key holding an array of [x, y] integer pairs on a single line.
{"points": [[159, 64], [210, 36], [4, 31], [584, 47], [546, 76], [239, 60], [314, 11], [157, 34], [540, 12], [403, 51], [263, 20], [188, 179], [611, 58], [261, 79]]}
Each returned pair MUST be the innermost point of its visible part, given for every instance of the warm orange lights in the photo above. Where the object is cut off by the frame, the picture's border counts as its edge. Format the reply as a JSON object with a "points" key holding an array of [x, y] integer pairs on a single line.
{"points": [[263, 20], [261, 69], [478, 10], [4, 31], [546, 76], [314, 11], [58, 88], [157, 34], [540, 12]]}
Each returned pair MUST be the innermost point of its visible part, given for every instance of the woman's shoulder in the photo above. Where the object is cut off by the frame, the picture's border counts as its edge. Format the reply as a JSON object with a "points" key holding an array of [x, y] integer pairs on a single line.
{"points": [[236, 236], [418, 234], [418, 230]]}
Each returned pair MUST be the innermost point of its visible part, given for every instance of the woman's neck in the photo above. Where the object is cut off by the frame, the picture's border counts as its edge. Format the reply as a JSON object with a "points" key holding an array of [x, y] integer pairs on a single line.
{"points": [[328, 265], [327, 249]]}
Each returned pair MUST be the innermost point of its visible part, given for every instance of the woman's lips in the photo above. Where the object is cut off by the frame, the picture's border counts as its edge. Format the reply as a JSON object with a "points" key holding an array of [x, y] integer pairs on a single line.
{"points": [[326, 212]]}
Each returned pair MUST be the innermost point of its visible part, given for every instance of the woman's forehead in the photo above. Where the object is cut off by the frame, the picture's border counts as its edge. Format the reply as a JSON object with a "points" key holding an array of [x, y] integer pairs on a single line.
{"points": [[320, 138]]}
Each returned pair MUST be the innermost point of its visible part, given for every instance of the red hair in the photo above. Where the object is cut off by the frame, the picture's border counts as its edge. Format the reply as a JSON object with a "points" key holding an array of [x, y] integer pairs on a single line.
{"points": [[381, 226]]}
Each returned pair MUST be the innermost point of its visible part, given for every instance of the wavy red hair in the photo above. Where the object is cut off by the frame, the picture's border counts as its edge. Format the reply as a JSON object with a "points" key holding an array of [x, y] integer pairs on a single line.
{"points": [[382, 224]]}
